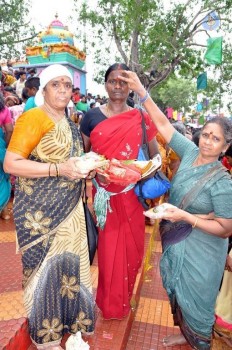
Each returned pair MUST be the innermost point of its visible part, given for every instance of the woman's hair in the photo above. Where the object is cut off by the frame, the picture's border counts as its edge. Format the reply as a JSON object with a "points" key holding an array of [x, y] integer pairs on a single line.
{"points": [[25, 95], [225, 124], [228, 152], [2, 102], [32, 82], [196, 137], [115, 66], [180, 127]]}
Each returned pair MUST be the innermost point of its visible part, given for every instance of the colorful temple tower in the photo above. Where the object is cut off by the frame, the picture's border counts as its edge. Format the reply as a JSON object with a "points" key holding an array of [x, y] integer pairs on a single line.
{"points": [[56, 45]]}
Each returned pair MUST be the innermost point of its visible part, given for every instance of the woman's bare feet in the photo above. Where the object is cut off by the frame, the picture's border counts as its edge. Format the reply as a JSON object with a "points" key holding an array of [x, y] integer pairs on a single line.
{"points": [[174, 339], [5, 214]]}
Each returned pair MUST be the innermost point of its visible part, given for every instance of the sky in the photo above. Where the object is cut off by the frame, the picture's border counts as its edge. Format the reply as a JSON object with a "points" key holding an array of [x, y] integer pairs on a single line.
{"points": [[43, 12]]}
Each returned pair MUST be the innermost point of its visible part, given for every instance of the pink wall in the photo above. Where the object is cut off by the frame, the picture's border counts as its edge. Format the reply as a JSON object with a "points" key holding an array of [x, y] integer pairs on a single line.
{"points": [[77, 79]]}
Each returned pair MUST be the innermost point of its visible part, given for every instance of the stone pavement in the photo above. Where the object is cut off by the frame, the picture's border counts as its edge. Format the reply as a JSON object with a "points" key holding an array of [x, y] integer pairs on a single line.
{"points": [[149, 321]]}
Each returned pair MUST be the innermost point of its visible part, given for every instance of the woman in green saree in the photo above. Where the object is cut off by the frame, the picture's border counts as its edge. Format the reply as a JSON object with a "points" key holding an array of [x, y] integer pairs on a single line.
{"points": [[194, 239], [49, 216]]}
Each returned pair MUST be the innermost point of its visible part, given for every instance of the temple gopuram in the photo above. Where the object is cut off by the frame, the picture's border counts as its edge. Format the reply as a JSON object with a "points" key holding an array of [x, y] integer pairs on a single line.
{"points": [[56, 45]]}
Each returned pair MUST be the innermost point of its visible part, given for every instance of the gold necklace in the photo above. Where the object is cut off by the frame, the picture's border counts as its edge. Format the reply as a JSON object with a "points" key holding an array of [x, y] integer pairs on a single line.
{"points": [[109, 112], [52, 115]]}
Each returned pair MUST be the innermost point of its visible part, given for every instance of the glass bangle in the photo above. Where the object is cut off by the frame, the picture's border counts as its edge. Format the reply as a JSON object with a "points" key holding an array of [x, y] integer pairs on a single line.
{"points": [[144, 99]]}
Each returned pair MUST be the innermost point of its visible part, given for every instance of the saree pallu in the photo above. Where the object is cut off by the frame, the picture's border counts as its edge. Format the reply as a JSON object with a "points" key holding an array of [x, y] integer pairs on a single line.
{"points": [[51, 233], [5, 186], [121, 242], [192, 263]]}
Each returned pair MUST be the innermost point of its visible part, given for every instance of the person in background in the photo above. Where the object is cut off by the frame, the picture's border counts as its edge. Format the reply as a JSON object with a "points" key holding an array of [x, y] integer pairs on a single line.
{"points": [[223, 309], [32, 85], [10, 98], [92, 105], [76, 95], [115, 131], [19, 84], [196, 137], [193, 239], [173, 159], [82, 105], [98, 101], [6, 77], [227, 159], [130, 99], [50, 223], [6, 129], [31, 73], [89, 99]]}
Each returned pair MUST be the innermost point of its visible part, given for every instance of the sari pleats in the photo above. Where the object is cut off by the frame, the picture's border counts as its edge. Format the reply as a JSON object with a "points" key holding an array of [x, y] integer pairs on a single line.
{"points": [[51, 232]]}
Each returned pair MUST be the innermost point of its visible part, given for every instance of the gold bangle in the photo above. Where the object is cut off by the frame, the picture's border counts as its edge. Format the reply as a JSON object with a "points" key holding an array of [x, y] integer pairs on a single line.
{"points": [[195, 223]]}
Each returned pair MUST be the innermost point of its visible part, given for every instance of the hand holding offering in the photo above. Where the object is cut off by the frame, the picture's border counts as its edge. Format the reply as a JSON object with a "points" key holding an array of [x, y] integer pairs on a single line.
{"points": [[158, 212], [92, 161]]}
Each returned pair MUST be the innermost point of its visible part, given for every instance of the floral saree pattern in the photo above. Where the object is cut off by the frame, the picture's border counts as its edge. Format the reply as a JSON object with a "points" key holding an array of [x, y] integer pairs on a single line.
{"points": [[51, 233]]}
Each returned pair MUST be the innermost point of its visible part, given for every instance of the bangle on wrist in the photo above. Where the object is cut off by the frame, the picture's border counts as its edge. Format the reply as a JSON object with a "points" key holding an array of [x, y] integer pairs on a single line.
{"points": [[144, 99], [57, 174], [195, 223], [58, 170], [49, 169]]}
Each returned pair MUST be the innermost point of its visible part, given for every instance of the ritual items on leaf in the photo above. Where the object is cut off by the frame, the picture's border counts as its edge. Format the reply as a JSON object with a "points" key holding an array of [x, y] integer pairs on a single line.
{"points": [[92, 160], [120, 173], [146, 167]]}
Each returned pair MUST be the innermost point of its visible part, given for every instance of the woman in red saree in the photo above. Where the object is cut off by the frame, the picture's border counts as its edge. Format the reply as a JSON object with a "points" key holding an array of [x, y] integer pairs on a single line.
{"points": [[114, 130]]}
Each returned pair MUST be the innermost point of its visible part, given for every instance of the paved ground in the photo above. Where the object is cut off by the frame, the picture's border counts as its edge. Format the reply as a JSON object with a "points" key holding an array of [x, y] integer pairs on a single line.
{"points": [[143, 329]]}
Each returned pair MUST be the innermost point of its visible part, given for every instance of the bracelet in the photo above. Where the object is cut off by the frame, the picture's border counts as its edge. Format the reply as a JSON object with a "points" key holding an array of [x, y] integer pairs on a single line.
{"points": [[195, 223], [58, 168], [144, 99], [57, 174], [49, 170]]}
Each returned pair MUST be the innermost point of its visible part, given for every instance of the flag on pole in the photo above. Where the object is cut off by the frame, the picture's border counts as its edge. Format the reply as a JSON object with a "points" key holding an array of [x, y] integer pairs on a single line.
{"points": [[213, 54], [202, 81]]}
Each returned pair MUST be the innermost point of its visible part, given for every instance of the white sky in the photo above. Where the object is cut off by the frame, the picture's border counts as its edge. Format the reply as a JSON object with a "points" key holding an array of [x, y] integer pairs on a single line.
{"points": [[43, 12]]}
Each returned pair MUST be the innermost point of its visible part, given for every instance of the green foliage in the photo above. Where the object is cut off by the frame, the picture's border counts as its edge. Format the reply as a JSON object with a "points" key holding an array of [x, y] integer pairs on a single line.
{"points": [[152, 38], [14, 27], [178, 93]]}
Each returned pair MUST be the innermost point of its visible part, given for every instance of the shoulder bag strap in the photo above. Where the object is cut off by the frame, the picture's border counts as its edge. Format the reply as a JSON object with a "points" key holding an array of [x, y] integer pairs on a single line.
{"points": [[194, 192], [145, 145]]}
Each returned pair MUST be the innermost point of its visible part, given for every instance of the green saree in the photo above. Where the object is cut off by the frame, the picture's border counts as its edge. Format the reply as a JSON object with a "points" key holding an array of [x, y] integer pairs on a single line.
{"points": [[191, 269]]}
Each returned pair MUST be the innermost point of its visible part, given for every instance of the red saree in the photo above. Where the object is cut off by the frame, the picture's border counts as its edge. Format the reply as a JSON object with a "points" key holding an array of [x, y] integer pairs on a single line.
{"points": [[121, 242]]}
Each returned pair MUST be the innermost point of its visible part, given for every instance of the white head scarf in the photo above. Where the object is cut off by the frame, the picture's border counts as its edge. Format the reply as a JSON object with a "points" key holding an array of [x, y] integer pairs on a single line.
{"points": [[49, 73]]}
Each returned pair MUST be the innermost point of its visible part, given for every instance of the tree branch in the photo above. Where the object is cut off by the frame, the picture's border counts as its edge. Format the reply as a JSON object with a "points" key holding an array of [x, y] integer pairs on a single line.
{"points": [[19, 41]]}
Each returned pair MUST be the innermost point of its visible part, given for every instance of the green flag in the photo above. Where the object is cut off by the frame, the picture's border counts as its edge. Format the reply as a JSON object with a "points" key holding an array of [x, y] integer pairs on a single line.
{"points": [[213, 54], [202, 81], [201, 120]]}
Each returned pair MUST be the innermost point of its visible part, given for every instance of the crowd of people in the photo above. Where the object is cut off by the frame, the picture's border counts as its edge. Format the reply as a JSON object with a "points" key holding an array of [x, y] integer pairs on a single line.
{"points": [[44, 158]]}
